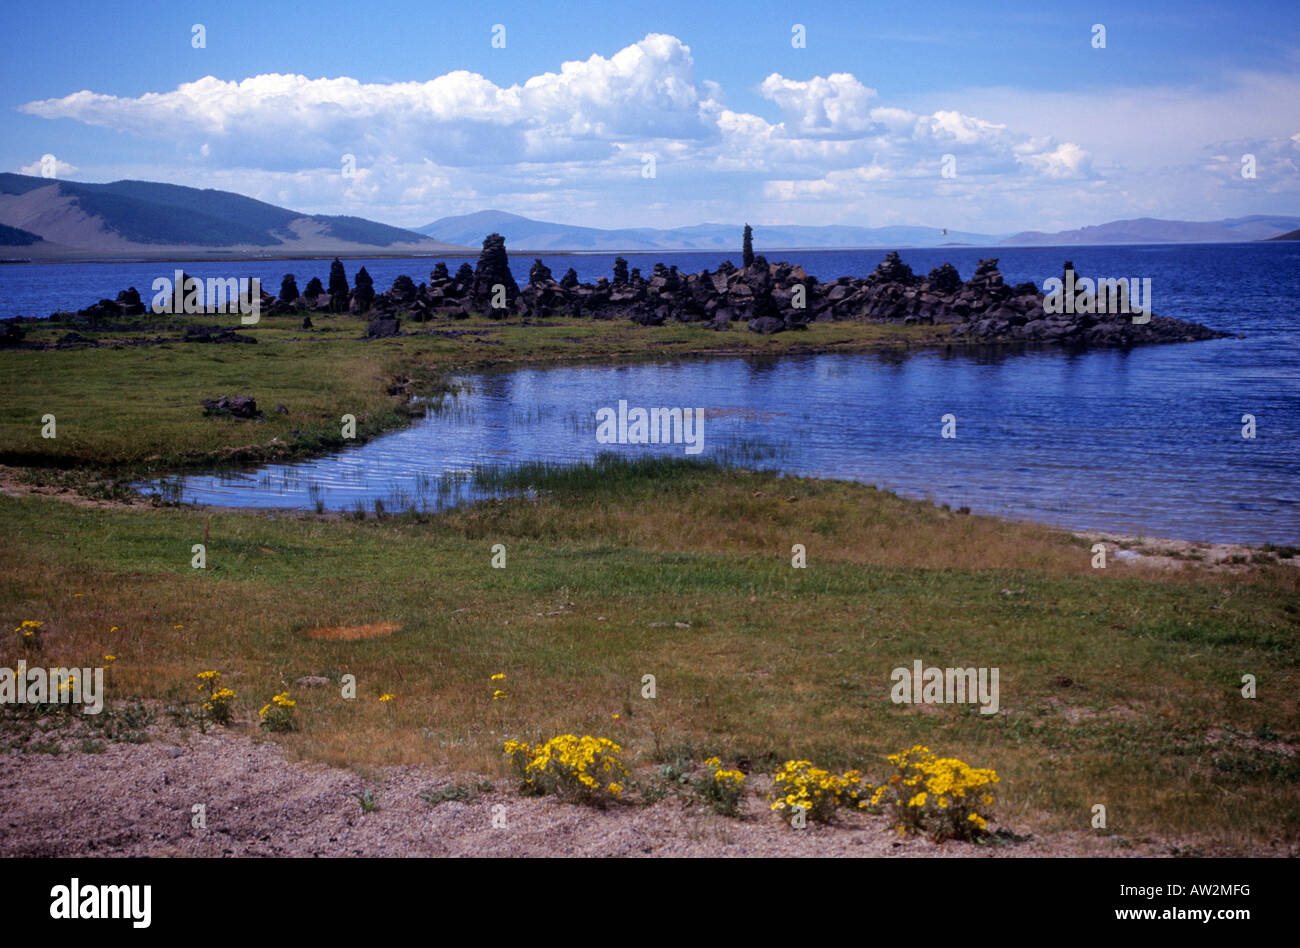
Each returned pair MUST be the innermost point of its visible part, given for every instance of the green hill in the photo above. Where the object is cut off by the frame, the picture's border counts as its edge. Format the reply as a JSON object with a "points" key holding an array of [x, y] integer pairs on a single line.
{"points": [[149, 213], [17, 237]]}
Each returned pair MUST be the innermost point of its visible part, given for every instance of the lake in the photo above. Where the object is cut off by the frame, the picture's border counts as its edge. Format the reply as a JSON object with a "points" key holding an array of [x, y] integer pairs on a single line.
{"points": [[1141, 441]]}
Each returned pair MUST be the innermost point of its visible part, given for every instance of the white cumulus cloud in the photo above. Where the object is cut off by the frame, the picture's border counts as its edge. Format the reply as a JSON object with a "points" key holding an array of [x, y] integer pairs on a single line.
{"points": [[46, 164], [837, 104]]}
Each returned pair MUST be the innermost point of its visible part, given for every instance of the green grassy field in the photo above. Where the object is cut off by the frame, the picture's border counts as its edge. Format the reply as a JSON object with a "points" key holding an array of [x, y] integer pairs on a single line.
{"points": [[686, 574], [1118, 686]]}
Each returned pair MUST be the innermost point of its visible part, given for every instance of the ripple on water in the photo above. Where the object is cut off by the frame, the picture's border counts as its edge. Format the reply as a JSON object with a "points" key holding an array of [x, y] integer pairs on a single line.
{"points": [[1136, 442]]}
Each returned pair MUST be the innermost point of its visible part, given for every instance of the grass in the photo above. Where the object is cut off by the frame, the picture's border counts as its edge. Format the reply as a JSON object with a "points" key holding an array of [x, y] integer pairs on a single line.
{"points": [[682, 570], [433, 796], [27, 729]]}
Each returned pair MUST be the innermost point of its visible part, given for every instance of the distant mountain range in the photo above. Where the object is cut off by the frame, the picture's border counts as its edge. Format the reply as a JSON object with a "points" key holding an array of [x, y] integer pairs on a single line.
{"points": [[523, 233], [1148, 230], [42, 218]]}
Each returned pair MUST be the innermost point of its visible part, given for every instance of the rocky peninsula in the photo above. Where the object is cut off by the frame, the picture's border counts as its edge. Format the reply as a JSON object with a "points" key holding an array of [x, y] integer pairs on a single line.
{"points": [[759, 296]]}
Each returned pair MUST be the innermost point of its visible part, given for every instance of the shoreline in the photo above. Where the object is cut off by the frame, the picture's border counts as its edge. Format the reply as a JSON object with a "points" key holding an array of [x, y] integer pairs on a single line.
{"points": [[471, 253], [1127, 549]]}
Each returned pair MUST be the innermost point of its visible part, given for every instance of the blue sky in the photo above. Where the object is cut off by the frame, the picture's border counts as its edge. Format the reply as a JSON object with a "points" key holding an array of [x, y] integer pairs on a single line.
{"points": [[1044, 130]]}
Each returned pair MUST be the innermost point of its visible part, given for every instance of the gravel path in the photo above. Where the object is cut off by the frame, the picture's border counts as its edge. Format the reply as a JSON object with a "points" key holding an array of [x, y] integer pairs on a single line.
{"points": [[137, 800]]}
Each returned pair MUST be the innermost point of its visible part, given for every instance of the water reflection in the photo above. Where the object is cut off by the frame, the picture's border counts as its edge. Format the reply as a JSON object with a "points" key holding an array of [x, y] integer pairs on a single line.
{"points": [[1138, 442]]}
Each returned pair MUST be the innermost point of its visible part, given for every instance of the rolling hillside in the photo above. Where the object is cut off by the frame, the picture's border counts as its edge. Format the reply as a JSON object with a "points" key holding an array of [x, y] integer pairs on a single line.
{"points": [[143, 218]]}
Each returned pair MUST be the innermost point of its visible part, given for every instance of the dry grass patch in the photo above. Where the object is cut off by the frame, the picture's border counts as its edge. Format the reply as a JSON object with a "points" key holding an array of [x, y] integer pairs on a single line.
{"points": [[352, 633]]}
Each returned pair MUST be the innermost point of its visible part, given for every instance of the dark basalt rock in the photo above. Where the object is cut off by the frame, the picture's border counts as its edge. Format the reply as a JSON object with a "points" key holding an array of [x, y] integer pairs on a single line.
{"points": [[539, 273], [403, 290], [493, 269], [893, 270], [767, 325], [383, 328], [129, 302], [12, 335], [944, 279], [216, 334], [231, 406], [75, 339]]}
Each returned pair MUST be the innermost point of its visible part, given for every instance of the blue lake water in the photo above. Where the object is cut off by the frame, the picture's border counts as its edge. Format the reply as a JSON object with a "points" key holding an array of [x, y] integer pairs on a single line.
{"points": [[1144, 441]]}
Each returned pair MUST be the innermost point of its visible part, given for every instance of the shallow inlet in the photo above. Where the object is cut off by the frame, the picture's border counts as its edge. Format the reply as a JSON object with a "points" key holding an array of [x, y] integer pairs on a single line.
{"points": [[1140, 442]]}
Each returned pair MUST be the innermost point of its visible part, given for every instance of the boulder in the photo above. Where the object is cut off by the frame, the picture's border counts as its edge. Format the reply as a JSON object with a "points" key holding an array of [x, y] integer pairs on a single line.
{"points": [[129, 302], [231, 406], [75, 340], [215, 334], [12, 335], [767, 325], [382, 328]]}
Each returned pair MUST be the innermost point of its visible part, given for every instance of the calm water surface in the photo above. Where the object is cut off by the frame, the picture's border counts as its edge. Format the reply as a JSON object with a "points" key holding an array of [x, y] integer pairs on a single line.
{"points": [[1145, 441]]}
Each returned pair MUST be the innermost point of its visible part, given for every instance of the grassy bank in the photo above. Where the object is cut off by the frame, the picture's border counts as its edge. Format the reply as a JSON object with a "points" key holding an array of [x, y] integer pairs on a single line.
{"points": [[137, 409], [1118, 686]]}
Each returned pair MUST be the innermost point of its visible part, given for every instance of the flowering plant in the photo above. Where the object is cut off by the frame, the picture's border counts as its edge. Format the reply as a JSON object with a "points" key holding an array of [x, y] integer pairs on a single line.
{"points": [[586, 769], [819, 792], [941, 796], [720, 788], [216, 705], [30, 631], [277, 714]]}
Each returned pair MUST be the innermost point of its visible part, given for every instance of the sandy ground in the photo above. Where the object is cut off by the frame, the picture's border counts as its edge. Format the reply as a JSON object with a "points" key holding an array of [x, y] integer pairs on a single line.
{"points": [[1165, 554], [138, 800]]}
